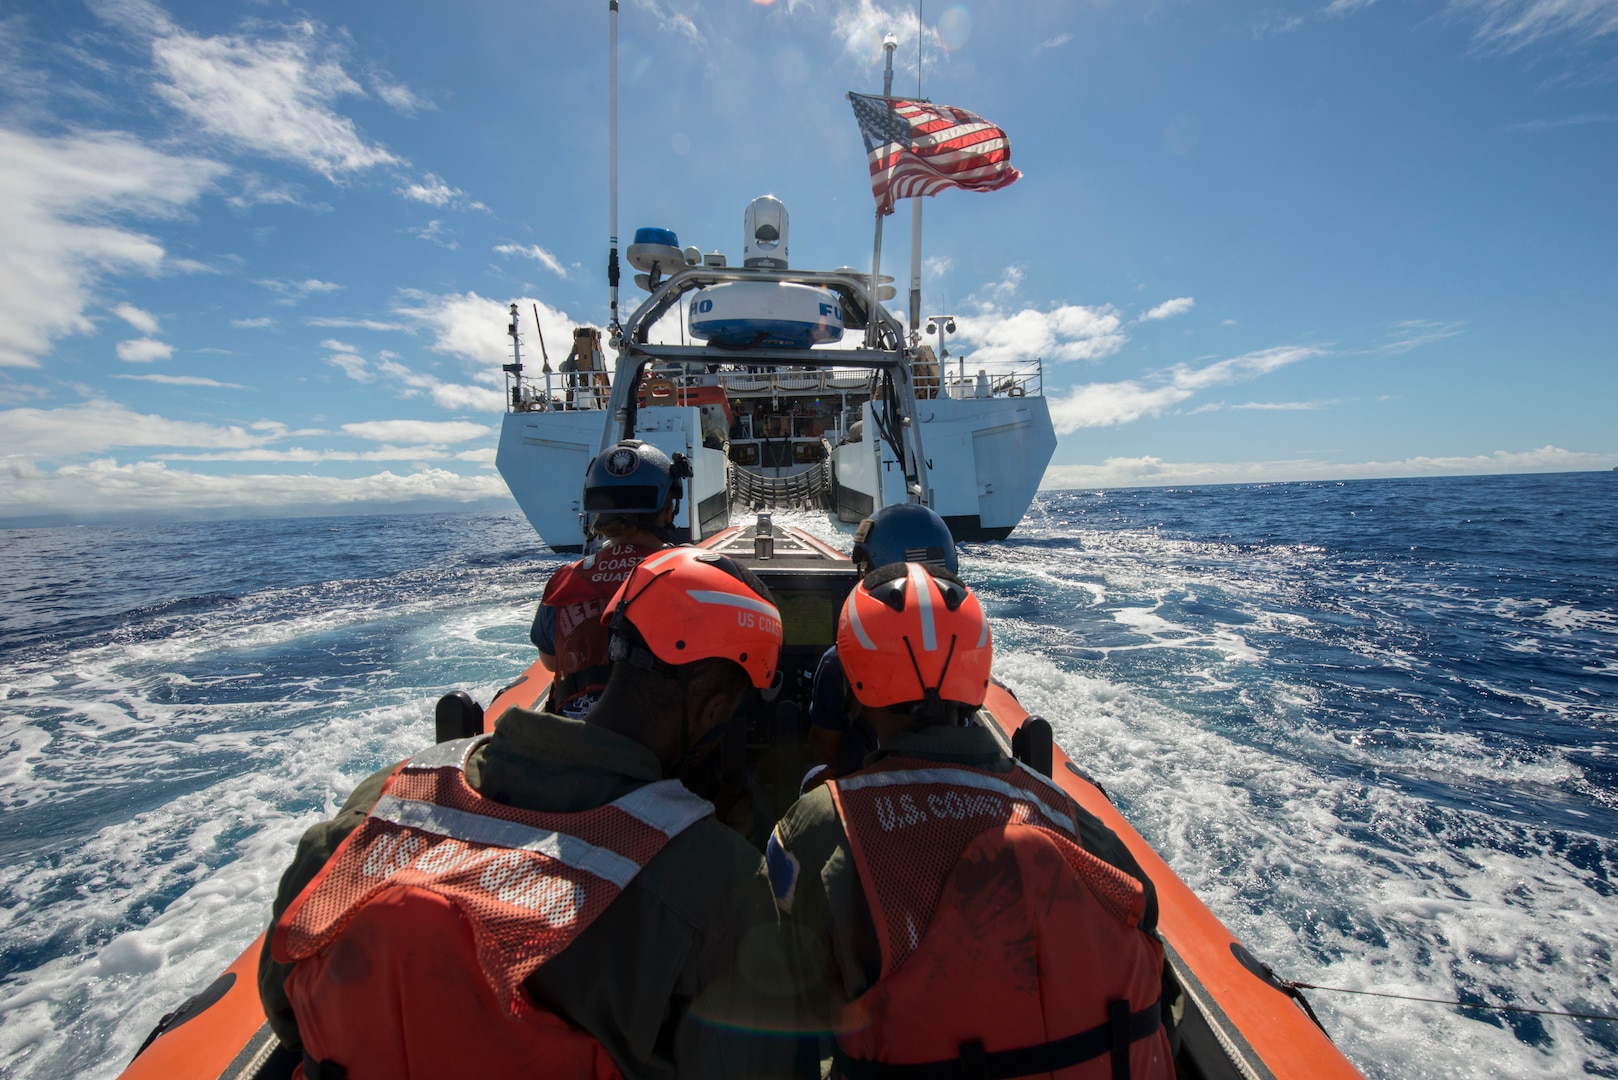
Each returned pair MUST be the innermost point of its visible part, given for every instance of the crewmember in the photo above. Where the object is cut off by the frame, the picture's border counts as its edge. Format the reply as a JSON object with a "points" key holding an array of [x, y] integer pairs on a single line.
{"points": [[633, 490], [550, 899], [894, 534], [955, 912]]}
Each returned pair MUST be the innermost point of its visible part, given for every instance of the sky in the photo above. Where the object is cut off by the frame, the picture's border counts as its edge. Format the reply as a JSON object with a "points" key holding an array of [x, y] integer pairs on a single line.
{"points": [[255, 257]]}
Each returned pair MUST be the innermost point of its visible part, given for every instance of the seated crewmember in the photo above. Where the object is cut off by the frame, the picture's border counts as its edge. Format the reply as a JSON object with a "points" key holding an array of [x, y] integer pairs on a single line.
{"points": [[633, 490], [549, 900], [952, 911], [905, 532]]}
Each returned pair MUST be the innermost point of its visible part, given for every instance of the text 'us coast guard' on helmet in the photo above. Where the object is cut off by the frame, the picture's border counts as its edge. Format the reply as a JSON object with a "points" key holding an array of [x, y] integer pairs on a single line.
{"points": [[687, 604], [632, 477], [905, 532], [911, 633]]}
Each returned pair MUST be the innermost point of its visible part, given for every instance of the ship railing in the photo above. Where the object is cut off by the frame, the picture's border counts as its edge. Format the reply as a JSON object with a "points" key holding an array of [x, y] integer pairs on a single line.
{"points": [[742, 380], [807, 490], [984, 379], [569, 391]]}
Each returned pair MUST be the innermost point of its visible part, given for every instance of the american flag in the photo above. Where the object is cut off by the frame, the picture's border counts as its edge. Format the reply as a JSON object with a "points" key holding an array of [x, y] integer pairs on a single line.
{"points": [[916, 148]]}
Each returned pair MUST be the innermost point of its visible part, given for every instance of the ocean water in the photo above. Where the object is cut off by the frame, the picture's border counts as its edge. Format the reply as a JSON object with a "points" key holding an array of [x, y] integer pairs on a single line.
{"points": [[1373, 724]]}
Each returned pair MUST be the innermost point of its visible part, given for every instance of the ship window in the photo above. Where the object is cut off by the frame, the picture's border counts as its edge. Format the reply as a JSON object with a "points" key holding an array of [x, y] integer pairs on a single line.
{"points": [[744, 453]]}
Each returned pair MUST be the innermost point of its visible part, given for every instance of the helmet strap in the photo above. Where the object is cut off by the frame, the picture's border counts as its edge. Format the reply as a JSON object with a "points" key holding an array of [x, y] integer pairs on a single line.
{"points": [[930, 710]]}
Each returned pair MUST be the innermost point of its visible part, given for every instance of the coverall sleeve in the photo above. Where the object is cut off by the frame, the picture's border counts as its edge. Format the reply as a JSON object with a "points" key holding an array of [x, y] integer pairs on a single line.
{"points": [[317, 846]]}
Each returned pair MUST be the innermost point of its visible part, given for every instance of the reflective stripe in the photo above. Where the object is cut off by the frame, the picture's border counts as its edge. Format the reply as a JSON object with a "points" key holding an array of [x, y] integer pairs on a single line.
{"points": [[447, 755], [983, 635], [497, 832], [667, 806], [956, 778], [1044, 781], [854, 624], [709, 596], [921, 586], [658, 560]]}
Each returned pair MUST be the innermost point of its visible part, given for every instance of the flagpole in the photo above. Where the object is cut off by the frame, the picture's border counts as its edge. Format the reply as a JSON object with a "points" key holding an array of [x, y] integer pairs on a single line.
{"points": [[915, 212], [889, 44]]}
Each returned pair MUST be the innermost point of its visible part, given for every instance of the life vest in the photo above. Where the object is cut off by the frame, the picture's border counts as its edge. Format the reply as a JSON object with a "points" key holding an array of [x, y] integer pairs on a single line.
{"points": [[413, 942], [579, 592], [1007, 949]]}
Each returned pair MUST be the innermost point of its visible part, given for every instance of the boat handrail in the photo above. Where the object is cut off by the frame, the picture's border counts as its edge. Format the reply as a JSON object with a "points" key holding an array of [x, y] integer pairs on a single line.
{"points": [[853, 290]]}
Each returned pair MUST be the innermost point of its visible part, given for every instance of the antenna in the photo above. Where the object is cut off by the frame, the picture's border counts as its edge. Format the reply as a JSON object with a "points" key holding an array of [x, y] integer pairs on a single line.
{"points": [[544, 356], [612, 170], [915, 209]]}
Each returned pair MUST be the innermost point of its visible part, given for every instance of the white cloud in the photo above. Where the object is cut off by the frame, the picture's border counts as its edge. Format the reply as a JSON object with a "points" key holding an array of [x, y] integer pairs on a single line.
{"points": [[936, 266], [134, 316], [433, 432], [861, 24], [352, 324], [105, 486], [57, 200], [290, 292], [1152, 471], [253, 324], [1530, 127], [1286, 406], [454, 396], [672, 21], [473, 327], [144, 350], [273, 97], [1414, 333], [1109, 404], [1053, 43], [537, 253], [1069, 332], [433, 191], [346, 359], [353, 366], [257, 190], [99, 425], [1512, 25], [434, 232], [1169, 308], [185, 380], [398, 96]]}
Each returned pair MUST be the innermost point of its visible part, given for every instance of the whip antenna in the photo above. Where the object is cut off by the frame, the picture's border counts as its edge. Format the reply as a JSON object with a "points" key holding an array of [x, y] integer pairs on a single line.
{"points": [[612, 170], [915, 210]]}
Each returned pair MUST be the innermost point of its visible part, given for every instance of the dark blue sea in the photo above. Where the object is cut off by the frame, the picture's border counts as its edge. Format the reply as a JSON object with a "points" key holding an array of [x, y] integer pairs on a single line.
{"points": [[1373, 724]]}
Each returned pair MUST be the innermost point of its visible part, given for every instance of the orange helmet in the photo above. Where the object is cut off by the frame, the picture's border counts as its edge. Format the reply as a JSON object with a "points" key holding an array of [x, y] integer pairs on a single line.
{"points": [[685, 605], [914, 634]]}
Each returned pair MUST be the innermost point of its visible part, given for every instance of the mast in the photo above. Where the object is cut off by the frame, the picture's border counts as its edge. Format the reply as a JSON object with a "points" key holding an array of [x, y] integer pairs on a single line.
{"points": [[612, 169], [915, 213], [889, 44]]}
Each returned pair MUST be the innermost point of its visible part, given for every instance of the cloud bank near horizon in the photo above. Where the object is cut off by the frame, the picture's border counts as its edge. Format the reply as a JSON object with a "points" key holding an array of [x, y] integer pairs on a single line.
{"points": [[1147, 471]]}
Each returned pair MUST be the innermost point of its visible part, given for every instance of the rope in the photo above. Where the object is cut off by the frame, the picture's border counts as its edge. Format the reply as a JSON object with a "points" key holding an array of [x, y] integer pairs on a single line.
{"points": [[1447, 1001]]}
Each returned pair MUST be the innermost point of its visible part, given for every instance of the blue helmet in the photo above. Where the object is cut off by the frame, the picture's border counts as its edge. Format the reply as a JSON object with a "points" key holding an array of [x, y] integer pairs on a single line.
{"points": [[632, 477], [902, 533]]}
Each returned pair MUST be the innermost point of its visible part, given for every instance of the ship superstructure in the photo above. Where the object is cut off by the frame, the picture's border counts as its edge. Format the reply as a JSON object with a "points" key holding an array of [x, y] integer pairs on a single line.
{"points": [[797, 390]]}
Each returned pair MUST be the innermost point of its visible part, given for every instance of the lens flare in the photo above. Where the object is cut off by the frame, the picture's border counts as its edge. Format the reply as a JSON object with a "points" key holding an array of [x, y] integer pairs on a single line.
{"points": [[955, 27]]}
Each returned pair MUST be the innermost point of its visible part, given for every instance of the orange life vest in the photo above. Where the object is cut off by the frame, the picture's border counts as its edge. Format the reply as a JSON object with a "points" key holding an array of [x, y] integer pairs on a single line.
{"points": [[579, 592], [413, 942], [1007, 949]]}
